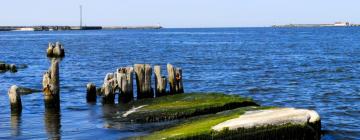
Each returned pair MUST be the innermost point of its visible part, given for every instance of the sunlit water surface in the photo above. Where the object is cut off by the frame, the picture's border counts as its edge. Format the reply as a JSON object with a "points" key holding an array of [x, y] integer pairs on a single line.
{"points": [[314, 68]]}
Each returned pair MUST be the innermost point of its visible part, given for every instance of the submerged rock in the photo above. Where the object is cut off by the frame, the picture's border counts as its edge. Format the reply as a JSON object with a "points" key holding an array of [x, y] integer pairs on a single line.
{"points": [[8, 67]]}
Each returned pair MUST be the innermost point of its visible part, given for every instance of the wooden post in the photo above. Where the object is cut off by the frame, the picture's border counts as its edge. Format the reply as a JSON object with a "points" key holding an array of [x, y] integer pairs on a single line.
{"points": [[58, 50], [178, 78], [125, 83], [15, 100], [49, 51], [160, 82], [91, 92], [55, 50], [175, 79], [143, 81], [109, 95], [109, 88], [171, 77], [51, 86]]}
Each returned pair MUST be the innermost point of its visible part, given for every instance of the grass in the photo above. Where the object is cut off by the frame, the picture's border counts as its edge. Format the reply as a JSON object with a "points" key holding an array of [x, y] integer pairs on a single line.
{"points": [[184, 106]]}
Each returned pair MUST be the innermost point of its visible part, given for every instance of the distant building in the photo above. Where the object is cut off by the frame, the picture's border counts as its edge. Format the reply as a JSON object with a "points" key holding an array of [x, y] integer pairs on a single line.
{"points": [[341, 24]]}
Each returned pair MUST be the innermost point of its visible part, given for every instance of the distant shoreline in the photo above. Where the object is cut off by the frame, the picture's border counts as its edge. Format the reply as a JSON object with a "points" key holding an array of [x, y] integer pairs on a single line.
{"points": [[62, 28], [336, 24]]}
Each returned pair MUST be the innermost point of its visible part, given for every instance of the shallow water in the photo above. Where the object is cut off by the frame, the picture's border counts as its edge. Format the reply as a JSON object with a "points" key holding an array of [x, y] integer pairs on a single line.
{"points": [[315, 68]]}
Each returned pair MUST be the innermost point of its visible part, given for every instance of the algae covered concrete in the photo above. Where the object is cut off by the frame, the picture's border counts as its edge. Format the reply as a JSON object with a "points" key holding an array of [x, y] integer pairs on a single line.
{"points": [[180, 106], [203, 128], [216, 116]]}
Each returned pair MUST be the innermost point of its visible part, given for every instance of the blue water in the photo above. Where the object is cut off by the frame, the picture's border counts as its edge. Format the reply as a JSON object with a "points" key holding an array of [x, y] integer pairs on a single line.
{"points": [[314, 68]]}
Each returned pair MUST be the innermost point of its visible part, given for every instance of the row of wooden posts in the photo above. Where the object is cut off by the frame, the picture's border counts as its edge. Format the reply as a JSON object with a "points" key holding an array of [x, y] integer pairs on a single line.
{"points": [[121, 82]]}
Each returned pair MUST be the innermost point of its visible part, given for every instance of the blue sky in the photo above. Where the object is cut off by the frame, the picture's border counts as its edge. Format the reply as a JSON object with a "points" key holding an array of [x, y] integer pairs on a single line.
{"points": [[178, 13]]}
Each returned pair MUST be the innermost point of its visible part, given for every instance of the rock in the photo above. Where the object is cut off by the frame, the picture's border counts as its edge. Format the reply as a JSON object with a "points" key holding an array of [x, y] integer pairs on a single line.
{"points": [[2, 66], [8, 67], [12, 68]]}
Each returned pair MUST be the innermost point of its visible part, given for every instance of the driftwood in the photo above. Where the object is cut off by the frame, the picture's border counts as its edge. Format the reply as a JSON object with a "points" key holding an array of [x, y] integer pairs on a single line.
{"points": [[15, 100], [51, 85], [160, 82], [91, 92], [124, 78], [143, 81], [175, 79]]}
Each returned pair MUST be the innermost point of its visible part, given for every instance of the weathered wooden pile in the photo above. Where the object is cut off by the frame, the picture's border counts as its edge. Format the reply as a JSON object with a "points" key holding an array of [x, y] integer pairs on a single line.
{"points": [[50, 82], [121, 82], [55, 50]]}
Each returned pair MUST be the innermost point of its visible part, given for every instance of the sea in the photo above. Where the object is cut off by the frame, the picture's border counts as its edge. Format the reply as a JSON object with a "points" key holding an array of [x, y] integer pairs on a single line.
{"points": [[310, 68]]}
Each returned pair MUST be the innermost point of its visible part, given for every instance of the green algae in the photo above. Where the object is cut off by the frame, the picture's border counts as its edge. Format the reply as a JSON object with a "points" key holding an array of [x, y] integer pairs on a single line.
{"points": [[200, 128], [187, 105]]}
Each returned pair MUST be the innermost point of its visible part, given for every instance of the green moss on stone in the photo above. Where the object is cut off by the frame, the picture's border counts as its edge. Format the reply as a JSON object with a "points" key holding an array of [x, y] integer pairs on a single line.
{"points": [[200, 128], [184, 106]]}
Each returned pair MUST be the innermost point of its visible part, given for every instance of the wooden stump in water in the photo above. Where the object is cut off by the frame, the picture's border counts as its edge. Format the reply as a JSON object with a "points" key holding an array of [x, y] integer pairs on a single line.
{"points": [[160, 82], [178, 78], [15, 100], [51, 86], [109, 95], [125, 83], [143, 81], [55, 50], [175, 79], [91, 92], [171, 78], [49, 51]]}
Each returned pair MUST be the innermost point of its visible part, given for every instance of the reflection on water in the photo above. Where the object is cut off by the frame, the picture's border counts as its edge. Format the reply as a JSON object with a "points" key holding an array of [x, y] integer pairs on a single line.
{"points": [[52, 121], [15, 124]]}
